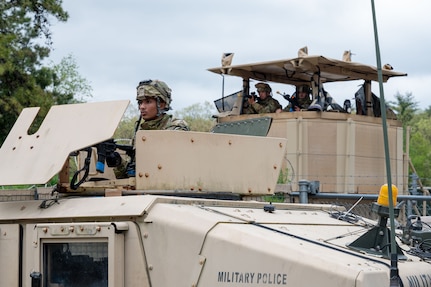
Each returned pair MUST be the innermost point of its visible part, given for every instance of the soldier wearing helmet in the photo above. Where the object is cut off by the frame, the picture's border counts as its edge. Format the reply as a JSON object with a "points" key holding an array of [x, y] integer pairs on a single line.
{"points": [[265, 102], [301, 100], [154, 99]]}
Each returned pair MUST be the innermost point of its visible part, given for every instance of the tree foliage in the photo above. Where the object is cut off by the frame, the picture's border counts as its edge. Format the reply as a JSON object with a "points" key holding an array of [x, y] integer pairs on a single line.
{"points": [[68, 86], [198, 116], [420, 140], [420, 146], [127, 126], [405, 107], [24, 81]]}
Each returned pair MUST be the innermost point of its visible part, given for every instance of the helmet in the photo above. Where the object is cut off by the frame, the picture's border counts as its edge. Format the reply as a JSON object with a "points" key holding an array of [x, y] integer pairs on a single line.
{"points": [[154, 89], [303, 88], [263, 87]]}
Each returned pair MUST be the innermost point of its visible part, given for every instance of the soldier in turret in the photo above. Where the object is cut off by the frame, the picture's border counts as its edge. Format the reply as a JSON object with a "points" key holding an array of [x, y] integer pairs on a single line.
{"points": [[265, 103], [301, 100], [154, 99]]}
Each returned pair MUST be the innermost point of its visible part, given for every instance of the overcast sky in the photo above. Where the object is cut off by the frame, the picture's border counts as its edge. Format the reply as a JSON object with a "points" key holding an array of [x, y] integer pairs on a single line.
{"points": [[116, 44]]}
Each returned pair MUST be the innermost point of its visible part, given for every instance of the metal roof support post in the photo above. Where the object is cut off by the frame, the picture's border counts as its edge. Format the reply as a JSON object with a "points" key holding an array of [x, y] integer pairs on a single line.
{"points": [[222, 92], [315, 85], [245, 91], [368, 97]]}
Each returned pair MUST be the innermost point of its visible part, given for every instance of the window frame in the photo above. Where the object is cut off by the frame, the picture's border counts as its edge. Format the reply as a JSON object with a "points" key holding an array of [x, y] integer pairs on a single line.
{"points": [[48, 233]]}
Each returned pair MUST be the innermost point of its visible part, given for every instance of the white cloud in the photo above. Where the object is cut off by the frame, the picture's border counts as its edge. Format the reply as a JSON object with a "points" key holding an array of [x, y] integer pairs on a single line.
{"points": [[117, 44]]}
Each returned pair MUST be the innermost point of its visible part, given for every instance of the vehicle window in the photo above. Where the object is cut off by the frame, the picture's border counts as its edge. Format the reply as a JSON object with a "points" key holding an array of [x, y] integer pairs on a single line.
{"points": [[75, 264]]}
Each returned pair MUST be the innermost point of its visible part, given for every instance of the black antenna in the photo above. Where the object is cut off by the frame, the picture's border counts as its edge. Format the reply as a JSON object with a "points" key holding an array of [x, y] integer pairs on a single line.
{"points": [[394, 274]]}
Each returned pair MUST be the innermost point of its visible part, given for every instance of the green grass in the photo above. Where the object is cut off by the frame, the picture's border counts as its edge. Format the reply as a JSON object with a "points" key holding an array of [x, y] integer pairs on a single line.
{"points": [[274, 198]]}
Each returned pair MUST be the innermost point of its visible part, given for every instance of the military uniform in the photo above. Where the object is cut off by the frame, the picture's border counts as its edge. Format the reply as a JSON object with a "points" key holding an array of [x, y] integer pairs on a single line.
{"points": [[165, 122], [160, 91], [303, 103], [266, 105], [161, 121]]}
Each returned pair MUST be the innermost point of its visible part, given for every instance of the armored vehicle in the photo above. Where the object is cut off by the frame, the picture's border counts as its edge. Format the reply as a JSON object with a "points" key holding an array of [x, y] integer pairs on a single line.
{"points": [[188, 214], [327, 142]]}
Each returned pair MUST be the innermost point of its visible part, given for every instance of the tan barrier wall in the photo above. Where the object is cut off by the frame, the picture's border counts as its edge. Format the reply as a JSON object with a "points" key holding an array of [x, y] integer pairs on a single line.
{"points": [[345, 153]]}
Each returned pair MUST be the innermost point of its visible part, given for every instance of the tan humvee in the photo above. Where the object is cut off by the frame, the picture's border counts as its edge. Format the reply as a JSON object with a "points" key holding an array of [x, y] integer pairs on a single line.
{"points": [[181, 220]]}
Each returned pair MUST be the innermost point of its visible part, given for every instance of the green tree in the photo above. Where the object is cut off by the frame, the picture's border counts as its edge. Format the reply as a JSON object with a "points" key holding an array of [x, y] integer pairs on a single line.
{"points": [[420, 146], [420, 140], [23, 78], [126, 127], [67, 85], [428, 111], [198, 116], [405, 107]]}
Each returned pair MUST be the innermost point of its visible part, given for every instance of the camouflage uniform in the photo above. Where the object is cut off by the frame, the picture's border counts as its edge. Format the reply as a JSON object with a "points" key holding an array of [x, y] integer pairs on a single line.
{"points": [[159, 90], [267, 105], [303, 103], [165, 122]]}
